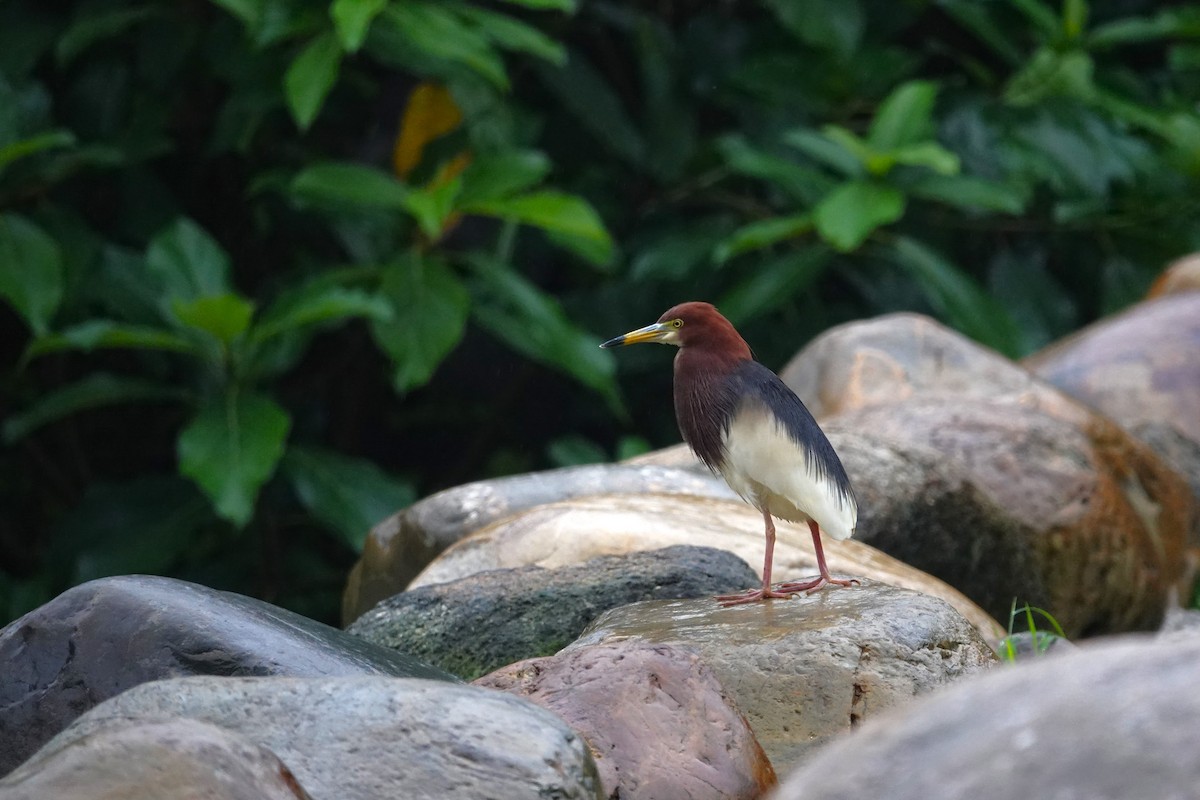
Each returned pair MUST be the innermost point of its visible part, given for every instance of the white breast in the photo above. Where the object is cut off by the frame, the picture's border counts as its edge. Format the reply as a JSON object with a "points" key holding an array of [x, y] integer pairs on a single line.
{"points": [[771, 472]]}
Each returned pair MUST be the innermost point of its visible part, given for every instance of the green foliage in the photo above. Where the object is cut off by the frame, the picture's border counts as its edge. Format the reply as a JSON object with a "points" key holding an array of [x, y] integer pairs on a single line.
{"points": [[1041, 640], [284, 265]]}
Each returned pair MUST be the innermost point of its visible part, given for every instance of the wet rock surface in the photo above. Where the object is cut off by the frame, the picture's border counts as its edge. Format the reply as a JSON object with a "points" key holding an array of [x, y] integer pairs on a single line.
{"points": [[807, 669], [576, 531], [1109, 720], [404, 543], [151, 761], [520, 613], [657, 721], [103, 637], [368, 738]]}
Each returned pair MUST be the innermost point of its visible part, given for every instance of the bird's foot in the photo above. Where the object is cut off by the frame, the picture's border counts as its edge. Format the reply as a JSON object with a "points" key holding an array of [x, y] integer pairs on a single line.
{"points": [[815, 585], [751, 596]]}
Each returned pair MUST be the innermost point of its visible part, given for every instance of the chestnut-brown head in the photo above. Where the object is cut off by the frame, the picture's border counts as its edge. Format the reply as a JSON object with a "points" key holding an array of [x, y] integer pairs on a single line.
{"points": [[695, 326]]}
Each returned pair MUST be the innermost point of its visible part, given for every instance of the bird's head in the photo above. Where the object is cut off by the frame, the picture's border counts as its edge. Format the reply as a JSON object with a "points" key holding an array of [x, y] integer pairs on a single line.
{"points": [[691, 325]]}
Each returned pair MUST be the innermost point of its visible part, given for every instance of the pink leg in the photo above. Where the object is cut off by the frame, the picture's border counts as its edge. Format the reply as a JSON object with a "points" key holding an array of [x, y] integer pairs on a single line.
{"points": [[824, 579], [754, 595]]}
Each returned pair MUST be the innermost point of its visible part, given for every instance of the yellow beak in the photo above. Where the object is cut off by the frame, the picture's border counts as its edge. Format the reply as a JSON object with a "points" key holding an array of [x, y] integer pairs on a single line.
{"points": [[658, 332]]}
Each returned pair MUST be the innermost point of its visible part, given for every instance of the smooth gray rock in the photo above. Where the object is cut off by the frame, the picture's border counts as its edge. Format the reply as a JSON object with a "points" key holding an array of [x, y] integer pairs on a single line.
{"points": [[177, 758], [806, 669], [399, 547], [656, 719], [367, 738], [103, 637], [479, 623], [1110, 721]]}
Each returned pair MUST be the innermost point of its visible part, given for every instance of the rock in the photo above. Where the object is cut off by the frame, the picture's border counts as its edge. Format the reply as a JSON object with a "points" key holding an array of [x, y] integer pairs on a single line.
{"points": [[886, 360], [365, 738], [655, 718], [1007, 502], [152, 761], [1110, 720], [807, 669], [972, 468], [1139, 367], [404, 543], [513, 614], [575, 531], [1181, 275], [103, 637]]}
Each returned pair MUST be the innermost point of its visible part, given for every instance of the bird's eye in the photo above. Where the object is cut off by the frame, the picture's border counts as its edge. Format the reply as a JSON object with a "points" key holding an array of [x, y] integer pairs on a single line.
{"points": [[676, 323]]}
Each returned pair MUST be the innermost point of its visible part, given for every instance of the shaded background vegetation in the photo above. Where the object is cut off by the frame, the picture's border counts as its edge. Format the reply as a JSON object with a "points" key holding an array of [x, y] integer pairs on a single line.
{"points": [[275, 268]]}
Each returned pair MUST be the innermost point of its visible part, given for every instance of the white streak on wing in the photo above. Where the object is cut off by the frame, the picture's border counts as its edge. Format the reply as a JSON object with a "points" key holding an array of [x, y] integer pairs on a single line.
{"points": [[769, 470]]}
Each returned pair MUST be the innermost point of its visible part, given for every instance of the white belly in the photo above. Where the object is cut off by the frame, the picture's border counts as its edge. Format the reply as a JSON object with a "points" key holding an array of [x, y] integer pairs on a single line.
{"points": [[771, 472]]}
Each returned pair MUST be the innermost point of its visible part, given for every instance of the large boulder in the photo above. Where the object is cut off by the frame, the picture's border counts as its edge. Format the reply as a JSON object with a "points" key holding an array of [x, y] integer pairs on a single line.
{"points": [[1109, 720], [1142, 369], [103, 637], [656, 720], [152, 761], [478, 623], [576, 531], [402, 545], [367, 738], [807, 669], [979, 472], [1006, 502]]}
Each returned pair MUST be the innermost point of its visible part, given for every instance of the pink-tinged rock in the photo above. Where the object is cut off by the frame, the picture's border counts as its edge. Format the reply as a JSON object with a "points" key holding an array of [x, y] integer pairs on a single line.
{"points": [[655, 718]]}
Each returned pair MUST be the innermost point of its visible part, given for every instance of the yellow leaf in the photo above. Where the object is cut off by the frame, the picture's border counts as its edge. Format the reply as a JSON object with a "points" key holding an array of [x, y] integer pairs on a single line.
{"points": [[431, 112]]}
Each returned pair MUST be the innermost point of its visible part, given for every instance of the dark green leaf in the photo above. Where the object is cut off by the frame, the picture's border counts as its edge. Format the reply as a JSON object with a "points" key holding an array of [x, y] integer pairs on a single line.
{"points": [[1051, 73], [96, 390], [103, 333], [311, 77], [94, 25], [490, 177], [430, 313], [534, 324], [574, 450], [143, 526], [224, 316], [230, 449], [353, 18], [1074, 18], [1182, 22], [905, 117], [34, 144], [681, 252], [512, 34], [773, 283], [336, 184], [848, 215], [556, 5], [435, 30], [586, 94], [188, 263], [837, 148], [961, 301], [563, 214], [833, 24], [31, 271], [800, 182], [317, 305], [926, 154], [969, 192], [433, 205], [763, 233], [349, 495]]}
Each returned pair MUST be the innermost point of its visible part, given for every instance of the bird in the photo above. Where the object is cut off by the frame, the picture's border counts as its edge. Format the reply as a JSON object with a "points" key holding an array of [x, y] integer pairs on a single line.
{"points": [[748, 426]]}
